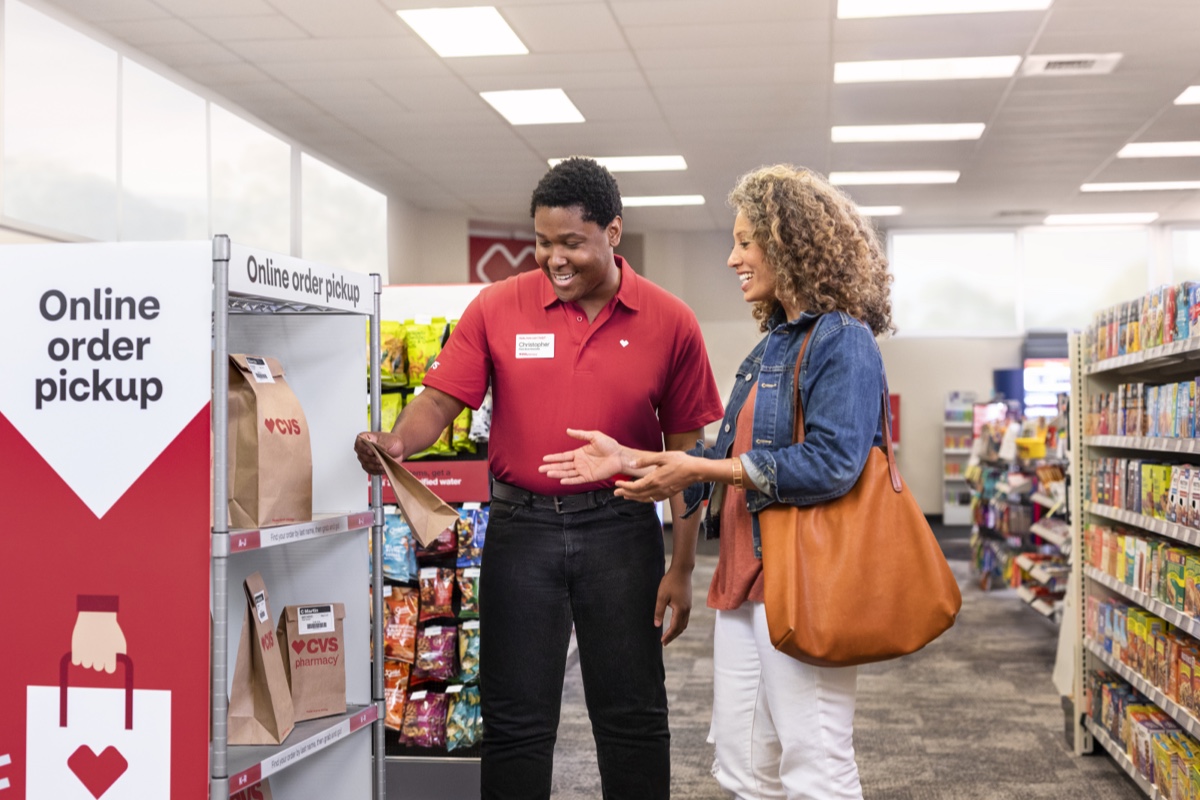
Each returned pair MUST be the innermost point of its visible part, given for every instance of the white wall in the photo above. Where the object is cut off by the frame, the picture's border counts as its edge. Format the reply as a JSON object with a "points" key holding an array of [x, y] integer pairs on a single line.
{"points": [[426, 246]]}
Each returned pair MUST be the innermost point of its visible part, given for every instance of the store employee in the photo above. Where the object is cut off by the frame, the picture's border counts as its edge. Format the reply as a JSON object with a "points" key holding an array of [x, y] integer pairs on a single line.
{"points": [[590, 344]]}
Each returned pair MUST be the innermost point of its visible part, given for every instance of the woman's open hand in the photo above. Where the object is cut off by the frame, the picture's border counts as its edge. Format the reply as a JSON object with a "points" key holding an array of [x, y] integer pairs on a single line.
{"points": [[599, 459], [666, 474]]}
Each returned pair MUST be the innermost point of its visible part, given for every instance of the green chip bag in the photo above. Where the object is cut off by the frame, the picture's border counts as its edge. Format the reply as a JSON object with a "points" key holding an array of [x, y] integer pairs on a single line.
{"points": [[393, 355], [460, 432]]}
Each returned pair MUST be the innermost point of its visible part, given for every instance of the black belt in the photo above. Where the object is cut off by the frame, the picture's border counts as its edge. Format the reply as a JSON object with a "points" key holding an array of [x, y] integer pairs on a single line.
{"points": [[565, 504]]}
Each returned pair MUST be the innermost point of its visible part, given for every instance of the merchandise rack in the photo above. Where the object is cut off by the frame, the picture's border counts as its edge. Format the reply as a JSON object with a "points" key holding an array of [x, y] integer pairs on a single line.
{"points": [[1155, 695], [1101, 737], [325, 552]]}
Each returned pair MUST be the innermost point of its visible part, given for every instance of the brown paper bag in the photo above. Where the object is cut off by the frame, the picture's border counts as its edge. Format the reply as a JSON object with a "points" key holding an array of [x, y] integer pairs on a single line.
{"points": [[313, 643], [260, 703], [259, 791], [424, 511], [270, 455]]}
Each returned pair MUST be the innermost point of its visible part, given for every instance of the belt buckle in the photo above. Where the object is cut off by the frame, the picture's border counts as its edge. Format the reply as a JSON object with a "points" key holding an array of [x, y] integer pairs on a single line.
{"points": [[558, 504]]}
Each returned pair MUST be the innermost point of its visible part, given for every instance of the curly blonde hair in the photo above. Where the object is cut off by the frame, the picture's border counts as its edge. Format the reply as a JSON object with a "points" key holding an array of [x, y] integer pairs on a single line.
{"points": [[825, 255]]}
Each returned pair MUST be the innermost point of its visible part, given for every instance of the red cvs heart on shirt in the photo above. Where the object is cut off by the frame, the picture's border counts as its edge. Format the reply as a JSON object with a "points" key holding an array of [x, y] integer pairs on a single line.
{"points": [[297, 645], [97, 772]]}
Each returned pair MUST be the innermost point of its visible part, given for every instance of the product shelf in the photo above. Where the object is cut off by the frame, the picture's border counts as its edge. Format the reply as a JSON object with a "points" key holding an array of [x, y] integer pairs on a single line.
{"points": [[1058, 535], [1169, 530], [249, 764], [1038, 604], [1189, 625], [1044, 500], [241, 540], [957, 424], [1155, 695], [1146, 443], [1037, 570], [1118, 755], [954, 479], [957, 451], [1156, 357]]}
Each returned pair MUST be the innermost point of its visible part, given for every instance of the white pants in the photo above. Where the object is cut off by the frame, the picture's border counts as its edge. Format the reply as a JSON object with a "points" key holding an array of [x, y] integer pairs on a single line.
{"points": [[782, 728]]}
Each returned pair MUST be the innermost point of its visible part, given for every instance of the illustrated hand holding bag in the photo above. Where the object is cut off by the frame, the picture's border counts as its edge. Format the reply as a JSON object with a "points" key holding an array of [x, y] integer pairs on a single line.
{"points": [[857, 579]]}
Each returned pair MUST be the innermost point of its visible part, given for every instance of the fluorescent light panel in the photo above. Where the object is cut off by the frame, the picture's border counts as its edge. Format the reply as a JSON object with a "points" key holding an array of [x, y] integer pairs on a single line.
{"points": [[880, 211], [458, 32], [1190, 97], [1159, 150], [634, 163], [926, 69], [882, 178], [534, 106], [907, 133], [1137, 218], [857, 9], [1140, 186], [662, 200]]}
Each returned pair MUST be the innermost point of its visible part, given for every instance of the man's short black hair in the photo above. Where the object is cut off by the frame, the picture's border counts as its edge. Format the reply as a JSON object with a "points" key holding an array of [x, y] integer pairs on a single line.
{"points": [[579, 182]]}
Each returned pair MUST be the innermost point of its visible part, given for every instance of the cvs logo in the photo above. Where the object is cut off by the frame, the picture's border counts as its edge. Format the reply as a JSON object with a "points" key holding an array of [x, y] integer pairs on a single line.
{"points": [[255, 792], [268, 640], [284, 426], [314, 646]]}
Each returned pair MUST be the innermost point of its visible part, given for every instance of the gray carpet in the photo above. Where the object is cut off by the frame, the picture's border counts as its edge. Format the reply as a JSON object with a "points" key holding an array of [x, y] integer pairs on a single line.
{"points": [[972, 717]]}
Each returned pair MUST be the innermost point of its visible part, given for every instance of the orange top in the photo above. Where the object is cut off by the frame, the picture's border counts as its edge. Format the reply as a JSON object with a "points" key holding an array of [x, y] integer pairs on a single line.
{"points": [[738, 577]]}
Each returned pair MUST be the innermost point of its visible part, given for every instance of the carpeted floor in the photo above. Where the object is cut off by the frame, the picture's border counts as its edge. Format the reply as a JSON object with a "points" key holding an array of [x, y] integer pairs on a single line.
{"points": [[974, 716]]}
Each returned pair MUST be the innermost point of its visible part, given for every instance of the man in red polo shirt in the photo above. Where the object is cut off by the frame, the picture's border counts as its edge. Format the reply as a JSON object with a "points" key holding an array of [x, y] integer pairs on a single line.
{"points": [[587, 343]]}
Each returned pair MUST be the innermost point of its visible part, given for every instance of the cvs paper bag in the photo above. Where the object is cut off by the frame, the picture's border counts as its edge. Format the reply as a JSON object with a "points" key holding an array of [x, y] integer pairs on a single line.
{"points": [[313, 646], [260, 703], [426, 513], [270, 456]]}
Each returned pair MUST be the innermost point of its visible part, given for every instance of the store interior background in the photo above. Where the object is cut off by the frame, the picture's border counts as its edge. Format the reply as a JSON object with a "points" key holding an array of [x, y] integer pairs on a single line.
{"points": [[331, 131]]}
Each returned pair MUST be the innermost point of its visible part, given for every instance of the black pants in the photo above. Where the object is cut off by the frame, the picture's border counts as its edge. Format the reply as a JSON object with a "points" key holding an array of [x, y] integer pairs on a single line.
{"points": [[542, 570]]}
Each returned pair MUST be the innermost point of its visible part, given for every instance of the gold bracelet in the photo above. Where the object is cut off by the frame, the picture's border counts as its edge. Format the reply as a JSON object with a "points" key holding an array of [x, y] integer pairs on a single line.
{"points": [[737, 473]]}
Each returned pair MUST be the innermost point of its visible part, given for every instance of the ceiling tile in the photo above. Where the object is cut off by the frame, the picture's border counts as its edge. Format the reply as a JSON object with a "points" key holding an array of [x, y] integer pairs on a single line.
{"points": [[345, 18], [216, 8], [632, 13], [155, 31], [187, 54], [331, 49], [558, 29], [249, 29], [102, 11], [223, 74]]}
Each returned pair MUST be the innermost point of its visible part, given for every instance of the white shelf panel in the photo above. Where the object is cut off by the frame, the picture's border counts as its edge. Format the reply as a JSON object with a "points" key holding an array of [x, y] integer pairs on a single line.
{"points": [[1167, 354], [1170, 530], [957, 451], [1038, 604], [1038, 571], [1044, 500], [1056, 535], [1152, 692], [321, 525], [1146, 443], [249, 764], [1187, 624], [1118, 755]]}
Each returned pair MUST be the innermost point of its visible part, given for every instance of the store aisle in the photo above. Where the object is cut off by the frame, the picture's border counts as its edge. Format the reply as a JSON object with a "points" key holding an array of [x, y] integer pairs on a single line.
{"points": [[973, 716]]}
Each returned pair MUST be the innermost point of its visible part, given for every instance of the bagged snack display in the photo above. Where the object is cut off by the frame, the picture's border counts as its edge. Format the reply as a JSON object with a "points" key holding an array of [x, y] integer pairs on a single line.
{"points": [[400, 623], [259, 791], [437, 592], [313, 643], [270, 456], [446, 542], [393, 355], [395, 690], [260, 702], [468, 592], [468, 651], [460, 433], [481, 420], [464, 722], [399, 549], [425, 719], [390, 405], [424, 343], [436, 647], [472, 528]]}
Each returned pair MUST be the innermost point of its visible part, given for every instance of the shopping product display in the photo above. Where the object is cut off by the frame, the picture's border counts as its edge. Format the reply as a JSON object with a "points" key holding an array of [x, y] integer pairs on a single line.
{"points": [[312, 640], [270, 455], [260, 701]]}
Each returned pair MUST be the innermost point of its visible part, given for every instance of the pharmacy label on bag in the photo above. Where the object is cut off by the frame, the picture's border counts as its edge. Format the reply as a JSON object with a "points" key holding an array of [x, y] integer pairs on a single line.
{"points": [[315, 619]]}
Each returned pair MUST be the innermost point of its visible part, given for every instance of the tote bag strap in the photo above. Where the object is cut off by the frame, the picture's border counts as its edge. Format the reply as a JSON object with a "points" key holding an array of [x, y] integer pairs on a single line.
{"points": [[798, 430]]}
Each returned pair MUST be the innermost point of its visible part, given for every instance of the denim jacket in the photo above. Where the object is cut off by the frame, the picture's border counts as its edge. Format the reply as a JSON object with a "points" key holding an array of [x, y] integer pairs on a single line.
{"points": [[842, 383]]}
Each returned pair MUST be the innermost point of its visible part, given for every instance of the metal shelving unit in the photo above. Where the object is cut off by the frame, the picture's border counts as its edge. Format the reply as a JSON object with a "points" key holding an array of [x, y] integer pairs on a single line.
{"points": [[955, 512], [1102, 738], [1155, 695]]}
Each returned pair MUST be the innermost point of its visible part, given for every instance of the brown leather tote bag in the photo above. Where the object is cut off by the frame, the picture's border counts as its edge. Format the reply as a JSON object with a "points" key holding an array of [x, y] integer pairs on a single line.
{"points": [[857, 579]]}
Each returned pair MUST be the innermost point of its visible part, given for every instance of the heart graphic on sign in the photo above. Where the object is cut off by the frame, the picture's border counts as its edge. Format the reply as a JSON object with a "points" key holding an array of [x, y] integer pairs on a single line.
{"points": [[498, 263], [97, 772], [270, 423], [297, 646]]}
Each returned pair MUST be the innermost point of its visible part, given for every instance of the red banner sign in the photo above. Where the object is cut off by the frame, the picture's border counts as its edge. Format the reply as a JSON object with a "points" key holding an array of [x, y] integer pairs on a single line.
{"points": [[494, 259]]}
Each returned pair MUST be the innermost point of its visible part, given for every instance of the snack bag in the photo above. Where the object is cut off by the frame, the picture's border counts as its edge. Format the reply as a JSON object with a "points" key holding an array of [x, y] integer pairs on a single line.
{"points": [[400, 624], [481, 420], [468, 651], [393, 355], [425, 719], [464, 723], [446, 542], [460, 432], [390, 405], [468, 592], [313, 643], [399, 549], [424, 343], [260, 702], [395, 690], [436, 646], [270, 456], [437, 592], [472, 526]]}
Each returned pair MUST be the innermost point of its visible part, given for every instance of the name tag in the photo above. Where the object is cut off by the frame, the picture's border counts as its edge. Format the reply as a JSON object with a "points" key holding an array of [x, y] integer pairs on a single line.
{"points": [[535, 345]]}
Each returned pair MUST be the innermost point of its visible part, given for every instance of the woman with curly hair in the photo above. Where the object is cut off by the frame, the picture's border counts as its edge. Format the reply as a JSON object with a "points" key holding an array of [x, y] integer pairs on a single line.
{"points": [[818, 280]]}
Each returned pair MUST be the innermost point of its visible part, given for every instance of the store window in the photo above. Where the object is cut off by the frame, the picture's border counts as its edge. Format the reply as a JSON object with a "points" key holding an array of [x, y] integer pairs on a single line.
{"points": [[1070, 273], [1185, 247], [57, 84], [954, 283], [343, 221], [164, 163], [251, 183]]}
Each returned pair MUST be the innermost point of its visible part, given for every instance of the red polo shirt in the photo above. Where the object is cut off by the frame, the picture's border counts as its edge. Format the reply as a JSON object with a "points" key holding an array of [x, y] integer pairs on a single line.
{"points": [[638, 371]]}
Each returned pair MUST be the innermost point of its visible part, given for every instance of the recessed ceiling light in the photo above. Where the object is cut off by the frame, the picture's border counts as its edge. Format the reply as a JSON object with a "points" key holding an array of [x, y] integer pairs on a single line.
{"points": [[457, 32], [1101, 219], [926, 69], [634, 163], [663, 200], [881, 178], [534, 106], [852, 9], [1190, 97], [907, 133], [1140, 186], [880, 211], [1159, 150]]}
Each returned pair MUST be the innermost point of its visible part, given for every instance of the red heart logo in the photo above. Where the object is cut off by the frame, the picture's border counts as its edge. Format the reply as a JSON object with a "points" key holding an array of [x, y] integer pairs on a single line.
{"points": [[97, 772], [270, 423], [505, 259], [297, 646]]}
